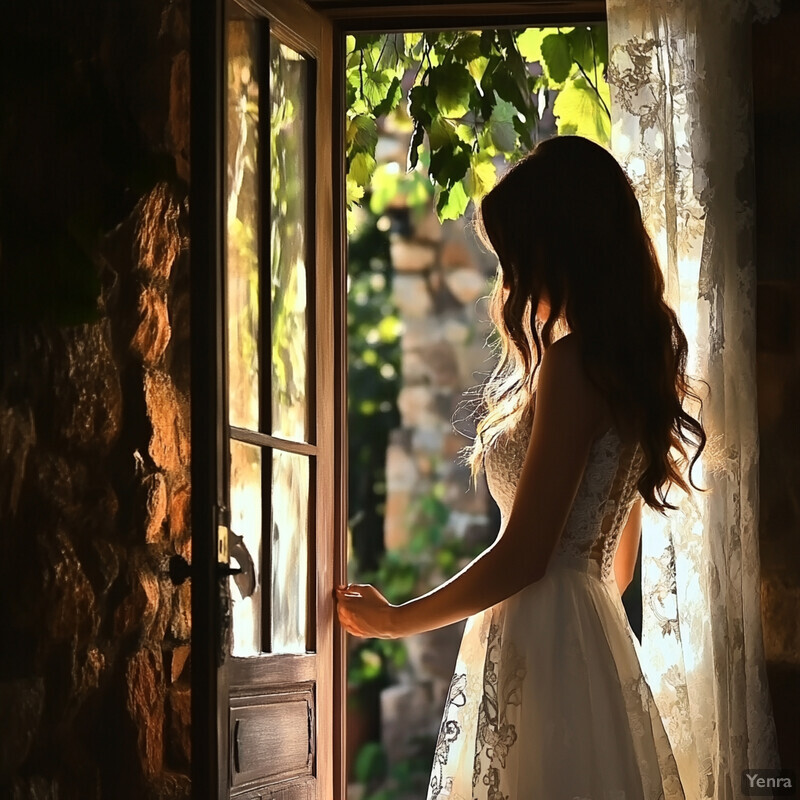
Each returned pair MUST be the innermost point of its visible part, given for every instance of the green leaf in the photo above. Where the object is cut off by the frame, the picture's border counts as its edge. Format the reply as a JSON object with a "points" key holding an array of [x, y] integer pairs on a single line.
{"points": [[419, 190], [487, 42], [581, 48], [371, 764], [353, 190], [376, 87], [364, 40], [578, 110], [452, 202], [385, 186], [449, 164], [506, 83], [481, 176], [556, 56], [501, 126], [453, 85], [394, 94], [362, 135], [600, 38], [477, 67], [442, 133], [412, 43], [523, 130], [416, 142], [362, 165], [422, 104], [529, 43], [467, 48]]}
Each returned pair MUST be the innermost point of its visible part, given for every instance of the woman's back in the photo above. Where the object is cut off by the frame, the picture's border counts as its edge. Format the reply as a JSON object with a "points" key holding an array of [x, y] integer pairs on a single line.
{"points": [[602, 503]]}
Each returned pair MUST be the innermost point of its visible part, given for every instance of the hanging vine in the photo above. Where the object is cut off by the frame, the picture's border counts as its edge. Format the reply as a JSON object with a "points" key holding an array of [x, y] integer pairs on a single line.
{"points": [[469, 98]]}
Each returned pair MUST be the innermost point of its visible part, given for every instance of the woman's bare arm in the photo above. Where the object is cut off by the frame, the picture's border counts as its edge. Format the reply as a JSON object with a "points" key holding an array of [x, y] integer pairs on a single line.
{"points": [[568, 412]]}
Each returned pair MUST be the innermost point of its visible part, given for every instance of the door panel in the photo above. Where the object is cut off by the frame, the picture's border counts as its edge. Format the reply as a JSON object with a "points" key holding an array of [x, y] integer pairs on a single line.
{"points": [[280, 724], [277, 520]]}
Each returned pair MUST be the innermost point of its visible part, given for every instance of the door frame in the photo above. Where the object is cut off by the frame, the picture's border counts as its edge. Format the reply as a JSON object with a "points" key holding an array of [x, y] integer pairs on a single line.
{"points": [[208, 430]]}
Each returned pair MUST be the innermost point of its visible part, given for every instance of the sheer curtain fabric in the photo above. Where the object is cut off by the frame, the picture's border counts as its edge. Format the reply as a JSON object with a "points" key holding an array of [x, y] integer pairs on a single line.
{"points": [[682, 127]]}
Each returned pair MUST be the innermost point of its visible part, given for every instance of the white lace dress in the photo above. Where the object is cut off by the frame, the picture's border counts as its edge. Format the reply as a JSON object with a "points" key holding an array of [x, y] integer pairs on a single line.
{"points": [[548, 700]]}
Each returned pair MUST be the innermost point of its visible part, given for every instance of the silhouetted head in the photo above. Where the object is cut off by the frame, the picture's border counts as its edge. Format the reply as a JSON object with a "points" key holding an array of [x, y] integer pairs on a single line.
{"points": [[568, 233]]}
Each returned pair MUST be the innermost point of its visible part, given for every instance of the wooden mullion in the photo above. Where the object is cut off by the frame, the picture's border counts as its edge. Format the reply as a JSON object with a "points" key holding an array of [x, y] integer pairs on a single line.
{"points": [[268, 440], [338, 302], [265, 331], [265, 240], [312, 379], [278, 669], [454, 14], [266, 549]]}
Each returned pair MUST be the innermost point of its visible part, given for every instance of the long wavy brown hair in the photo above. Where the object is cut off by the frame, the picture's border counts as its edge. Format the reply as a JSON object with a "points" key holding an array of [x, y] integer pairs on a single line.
{"points": [[566, 227]]}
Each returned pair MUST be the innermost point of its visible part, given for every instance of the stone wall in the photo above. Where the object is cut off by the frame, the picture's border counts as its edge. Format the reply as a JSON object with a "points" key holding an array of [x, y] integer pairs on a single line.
{"points": [[777, 117], [94, 417], [441, 278]]}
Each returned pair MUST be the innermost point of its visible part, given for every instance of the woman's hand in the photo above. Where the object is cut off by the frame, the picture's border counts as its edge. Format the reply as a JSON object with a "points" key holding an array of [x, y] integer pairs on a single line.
{"points": [[364, 611]]}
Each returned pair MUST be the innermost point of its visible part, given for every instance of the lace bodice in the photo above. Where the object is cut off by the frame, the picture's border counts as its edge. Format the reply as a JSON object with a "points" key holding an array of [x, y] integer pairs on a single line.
{"points": [[602, 503]]}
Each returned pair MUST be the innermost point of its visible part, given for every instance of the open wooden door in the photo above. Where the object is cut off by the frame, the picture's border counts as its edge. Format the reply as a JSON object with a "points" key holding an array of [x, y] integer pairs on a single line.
{"points": [[268, 383], [264, 472]]}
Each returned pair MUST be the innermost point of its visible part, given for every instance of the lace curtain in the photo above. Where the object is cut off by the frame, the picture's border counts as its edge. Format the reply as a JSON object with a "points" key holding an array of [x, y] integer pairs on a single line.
{"points": [[682, 117]]}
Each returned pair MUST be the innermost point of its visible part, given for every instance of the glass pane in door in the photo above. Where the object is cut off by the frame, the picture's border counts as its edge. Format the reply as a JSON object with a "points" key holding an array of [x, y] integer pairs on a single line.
{"points": [[291, 475], [244, 210], [245, 548], [289, 238]]}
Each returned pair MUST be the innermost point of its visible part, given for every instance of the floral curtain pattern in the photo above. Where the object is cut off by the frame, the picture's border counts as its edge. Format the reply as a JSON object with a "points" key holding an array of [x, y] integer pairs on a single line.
{"points": [[680, 83]]}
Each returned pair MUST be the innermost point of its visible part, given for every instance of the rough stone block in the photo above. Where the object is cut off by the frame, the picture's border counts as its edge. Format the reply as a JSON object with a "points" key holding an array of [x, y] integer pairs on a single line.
{"points": [[432, 655], [416, 406], [401, 472], [144, 678], [405, 712], [17, 436], [169, 444], [420, 331], [409, 256], [428, 441], [442, 364], [153, 332], [87, 669], [180, 623], [176, 660], [178, 128], [22, 702], [395, 525], [70, 600], [170, 786], [413, 369], [179, 721], [455, 254], [456, 332], [139, 609], [412, 296], [158, 236], [429, 229], [466, 284], [86, 381], [179, 519], [155, 506], [35, 787]]}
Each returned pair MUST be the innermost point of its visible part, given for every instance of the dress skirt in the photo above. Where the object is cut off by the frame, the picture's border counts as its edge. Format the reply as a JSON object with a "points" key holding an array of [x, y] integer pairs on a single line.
{"points": [[548, 701]]}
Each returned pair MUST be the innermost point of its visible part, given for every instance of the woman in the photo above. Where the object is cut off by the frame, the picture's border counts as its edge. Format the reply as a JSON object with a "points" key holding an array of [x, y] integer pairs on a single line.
{"points": [[583, 423]]}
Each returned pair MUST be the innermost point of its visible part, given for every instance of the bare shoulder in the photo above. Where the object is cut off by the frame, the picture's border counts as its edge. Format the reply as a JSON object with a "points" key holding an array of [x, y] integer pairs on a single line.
{"points": [[562, 364], [564, 381]]}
